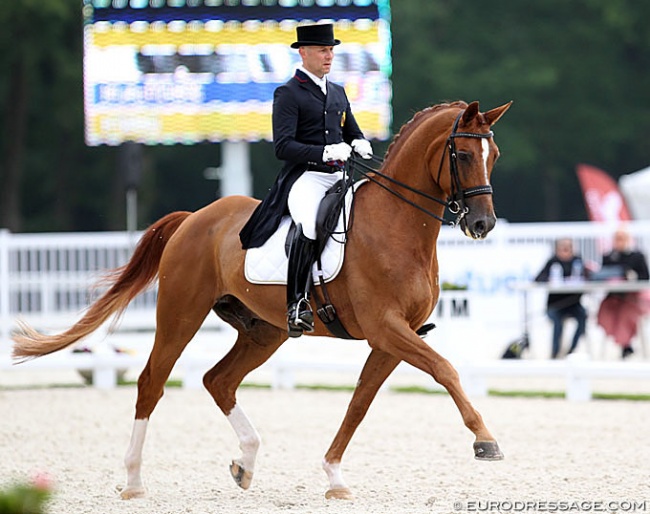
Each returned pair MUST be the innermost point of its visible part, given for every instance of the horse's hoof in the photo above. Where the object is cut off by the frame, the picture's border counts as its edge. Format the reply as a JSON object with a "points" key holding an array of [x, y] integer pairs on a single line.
{"points": [[130, 493], [487, 450], [340, 493], [242, 477]]}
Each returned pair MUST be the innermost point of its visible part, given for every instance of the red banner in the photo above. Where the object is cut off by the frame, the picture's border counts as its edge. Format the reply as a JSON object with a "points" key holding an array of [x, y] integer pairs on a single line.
{"points": [[603, 199]]}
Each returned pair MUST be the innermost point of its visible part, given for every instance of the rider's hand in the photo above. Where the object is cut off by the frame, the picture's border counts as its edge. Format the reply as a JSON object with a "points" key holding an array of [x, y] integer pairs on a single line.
{"points": [[337, 152], [363, 148]]}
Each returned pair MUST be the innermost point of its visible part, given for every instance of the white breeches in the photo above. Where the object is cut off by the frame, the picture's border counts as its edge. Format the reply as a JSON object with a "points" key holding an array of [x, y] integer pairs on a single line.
{"points": [[305, 196]]}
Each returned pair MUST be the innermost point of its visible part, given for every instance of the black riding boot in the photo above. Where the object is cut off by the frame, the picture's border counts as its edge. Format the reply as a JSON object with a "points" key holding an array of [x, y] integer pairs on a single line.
{"points": [[300, 317]]}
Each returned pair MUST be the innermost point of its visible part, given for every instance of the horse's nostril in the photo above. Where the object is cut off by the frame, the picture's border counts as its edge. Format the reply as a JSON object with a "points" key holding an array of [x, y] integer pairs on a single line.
{"points": [[481, 227]]}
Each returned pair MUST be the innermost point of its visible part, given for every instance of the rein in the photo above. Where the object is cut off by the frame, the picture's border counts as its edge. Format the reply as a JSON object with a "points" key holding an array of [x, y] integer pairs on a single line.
{"points": [[456, 201]]}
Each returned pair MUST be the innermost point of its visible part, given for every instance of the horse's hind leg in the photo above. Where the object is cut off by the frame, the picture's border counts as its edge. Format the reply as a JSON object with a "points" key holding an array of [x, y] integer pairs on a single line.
{"points": [[256, 342], [177, 322], [375, 371]]}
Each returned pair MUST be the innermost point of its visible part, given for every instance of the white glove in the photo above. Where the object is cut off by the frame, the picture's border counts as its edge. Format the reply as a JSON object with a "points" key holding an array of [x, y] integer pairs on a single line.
{"points": [[337, 152], [363, 148]]}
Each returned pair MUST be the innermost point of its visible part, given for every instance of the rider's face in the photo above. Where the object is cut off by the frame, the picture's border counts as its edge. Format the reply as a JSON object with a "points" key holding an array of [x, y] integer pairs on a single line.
{"points": [[317, 59]]}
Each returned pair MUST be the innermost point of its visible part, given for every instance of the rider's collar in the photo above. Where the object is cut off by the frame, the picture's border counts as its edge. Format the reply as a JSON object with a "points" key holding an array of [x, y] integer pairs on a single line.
{"points": [[320, 82]]}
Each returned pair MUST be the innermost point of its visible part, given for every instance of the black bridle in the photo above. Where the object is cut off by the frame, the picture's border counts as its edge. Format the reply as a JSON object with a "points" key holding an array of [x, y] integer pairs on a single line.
{"points": [[456, 201]]}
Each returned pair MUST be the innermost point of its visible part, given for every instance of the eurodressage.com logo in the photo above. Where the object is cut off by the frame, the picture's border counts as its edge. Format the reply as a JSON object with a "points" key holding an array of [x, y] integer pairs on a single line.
{"points": [[610, 506]]}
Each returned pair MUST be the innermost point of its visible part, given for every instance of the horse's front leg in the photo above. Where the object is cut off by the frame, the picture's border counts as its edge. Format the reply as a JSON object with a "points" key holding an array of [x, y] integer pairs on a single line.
{"points": [[402, 342], [485, 445], [375, 371]]}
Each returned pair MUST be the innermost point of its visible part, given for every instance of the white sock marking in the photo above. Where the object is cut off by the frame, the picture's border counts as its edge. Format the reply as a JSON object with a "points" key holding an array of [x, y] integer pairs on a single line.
{"points": [[133, 458], [249, 439], [335, 476]]}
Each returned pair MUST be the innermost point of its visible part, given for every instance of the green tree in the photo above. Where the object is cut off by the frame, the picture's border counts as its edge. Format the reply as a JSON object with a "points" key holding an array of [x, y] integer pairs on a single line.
{"points": [[577, 72], [49, 179], [27, 36]]}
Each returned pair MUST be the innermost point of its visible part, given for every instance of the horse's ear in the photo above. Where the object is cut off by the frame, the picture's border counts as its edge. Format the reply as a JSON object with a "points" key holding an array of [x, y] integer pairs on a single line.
{"points": [[470, 113], [491, 117]]}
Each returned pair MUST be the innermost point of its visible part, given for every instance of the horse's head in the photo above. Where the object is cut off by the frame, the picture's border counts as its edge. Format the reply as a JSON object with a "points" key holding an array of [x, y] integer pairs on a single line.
{"points": [[470, 154]]}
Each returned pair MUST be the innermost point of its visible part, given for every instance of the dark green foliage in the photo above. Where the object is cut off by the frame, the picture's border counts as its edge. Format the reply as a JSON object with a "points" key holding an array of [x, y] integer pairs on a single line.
{"points": [[577, 72]]}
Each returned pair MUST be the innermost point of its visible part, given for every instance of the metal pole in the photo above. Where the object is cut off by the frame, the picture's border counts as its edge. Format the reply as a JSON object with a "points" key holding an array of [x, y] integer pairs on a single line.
{"points": [[131, 209], [236, 176]]}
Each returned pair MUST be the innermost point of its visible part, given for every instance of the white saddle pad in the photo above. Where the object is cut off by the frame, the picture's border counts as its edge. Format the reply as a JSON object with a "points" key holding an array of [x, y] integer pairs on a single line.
{"points": [[268, 263]]}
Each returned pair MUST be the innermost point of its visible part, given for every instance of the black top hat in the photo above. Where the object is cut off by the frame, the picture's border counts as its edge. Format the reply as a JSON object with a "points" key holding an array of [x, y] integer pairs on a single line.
{"points": [[321, 34]]}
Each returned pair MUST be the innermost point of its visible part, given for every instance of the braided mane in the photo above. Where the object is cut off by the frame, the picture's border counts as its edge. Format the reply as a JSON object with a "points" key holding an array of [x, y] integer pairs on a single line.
{"points": [[414, 122]]}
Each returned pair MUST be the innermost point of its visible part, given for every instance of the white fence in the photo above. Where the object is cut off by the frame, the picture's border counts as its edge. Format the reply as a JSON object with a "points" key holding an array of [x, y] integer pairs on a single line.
{"points": [[47, 279]]}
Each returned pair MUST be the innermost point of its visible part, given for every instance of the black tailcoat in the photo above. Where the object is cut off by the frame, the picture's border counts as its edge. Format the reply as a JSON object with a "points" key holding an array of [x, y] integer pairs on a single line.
{"points": [[304, 122]]}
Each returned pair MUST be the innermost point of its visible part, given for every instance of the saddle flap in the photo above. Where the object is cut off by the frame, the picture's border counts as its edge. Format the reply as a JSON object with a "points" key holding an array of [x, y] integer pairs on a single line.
{"points": [[329, 212], [267, 264]]}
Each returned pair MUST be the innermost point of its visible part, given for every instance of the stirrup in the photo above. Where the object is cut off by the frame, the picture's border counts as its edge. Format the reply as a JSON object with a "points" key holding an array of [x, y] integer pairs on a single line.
{"points": [[300, 318]]}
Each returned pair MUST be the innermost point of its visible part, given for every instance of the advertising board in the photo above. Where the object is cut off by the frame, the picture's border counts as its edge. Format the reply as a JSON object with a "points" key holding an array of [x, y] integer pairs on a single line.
{"points": [[187, 71]]}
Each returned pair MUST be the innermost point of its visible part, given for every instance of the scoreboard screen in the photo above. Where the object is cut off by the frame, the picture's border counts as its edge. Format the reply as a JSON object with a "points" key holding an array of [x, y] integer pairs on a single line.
{"points": [[187, 71]]}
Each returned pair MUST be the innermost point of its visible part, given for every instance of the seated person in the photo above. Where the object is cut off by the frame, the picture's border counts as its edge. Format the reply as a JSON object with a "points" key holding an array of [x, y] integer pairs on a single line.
{"points": [[619, 313], [560, 306]]}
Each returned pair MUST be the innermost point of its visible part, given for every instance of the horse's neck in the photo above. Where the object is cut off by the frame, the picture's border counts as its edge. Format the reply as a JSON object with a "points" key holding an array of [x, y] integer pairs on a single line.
{"points": [[411, 233], [410, 162], [409, 166], [403, 227]]}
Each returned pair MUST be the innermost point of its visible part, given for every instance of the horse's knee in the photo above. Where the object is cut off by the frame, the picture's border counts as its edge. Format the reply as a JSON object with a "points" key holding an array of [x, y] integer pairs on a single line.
{"points": [[446, 375]]}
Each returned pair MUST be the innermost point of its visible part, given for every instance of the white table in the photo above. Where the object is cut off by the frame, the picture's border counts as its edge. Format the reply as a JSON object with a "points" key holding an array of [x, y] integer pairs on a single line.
{"points": [[584, 287]]}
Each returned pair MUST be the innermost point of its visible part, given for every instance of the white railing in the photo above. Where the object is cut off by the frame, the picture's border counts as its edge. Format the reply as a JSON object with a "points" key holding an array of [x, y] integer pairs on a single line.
{"points": [[47, 279]]}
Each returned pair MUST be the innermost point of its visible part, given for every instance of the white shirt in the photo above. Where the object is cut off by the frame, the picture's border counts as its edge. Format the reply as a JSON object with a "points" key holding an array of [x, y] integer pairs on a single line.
{"points": [[320, 82]]}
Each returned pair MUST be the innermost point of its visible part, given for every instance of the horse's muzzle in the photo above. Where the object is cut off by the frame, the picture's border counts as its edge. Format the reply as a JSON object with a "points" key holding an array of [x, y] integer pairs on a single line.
{"points": [[477, 226]]}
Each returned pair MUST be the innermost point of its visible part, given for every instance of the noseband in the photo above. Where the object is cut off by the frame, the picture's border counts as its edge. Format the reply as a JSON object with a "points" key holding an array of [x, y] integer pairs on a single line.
{"points": [[456, 201]]}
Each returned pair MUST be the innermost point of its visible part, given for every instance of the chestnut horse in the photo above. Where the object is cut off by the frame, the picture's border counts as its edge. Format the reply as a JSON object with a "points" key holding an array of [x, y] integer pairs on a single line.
{"points": [[386, 289]]}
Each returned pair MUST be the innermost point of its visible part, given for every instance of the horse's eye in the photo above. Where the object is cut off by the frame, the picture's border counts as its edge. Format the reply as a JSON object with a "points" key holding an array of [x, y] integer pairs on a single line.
{"points": [[464, 156]]}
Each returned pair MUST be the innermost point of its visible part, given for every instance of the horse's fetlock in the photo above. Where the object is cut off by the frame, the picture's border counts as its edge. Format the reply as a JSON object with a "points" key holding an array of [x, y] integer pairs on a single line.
{"points": [[250, 444], [132, 463]]}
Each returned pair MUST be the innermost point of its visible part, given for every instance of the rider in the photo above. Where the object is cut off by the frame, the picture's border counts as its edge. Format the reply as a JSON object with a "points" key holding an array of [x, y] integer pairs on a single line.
{"points": [[314, 132]]}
